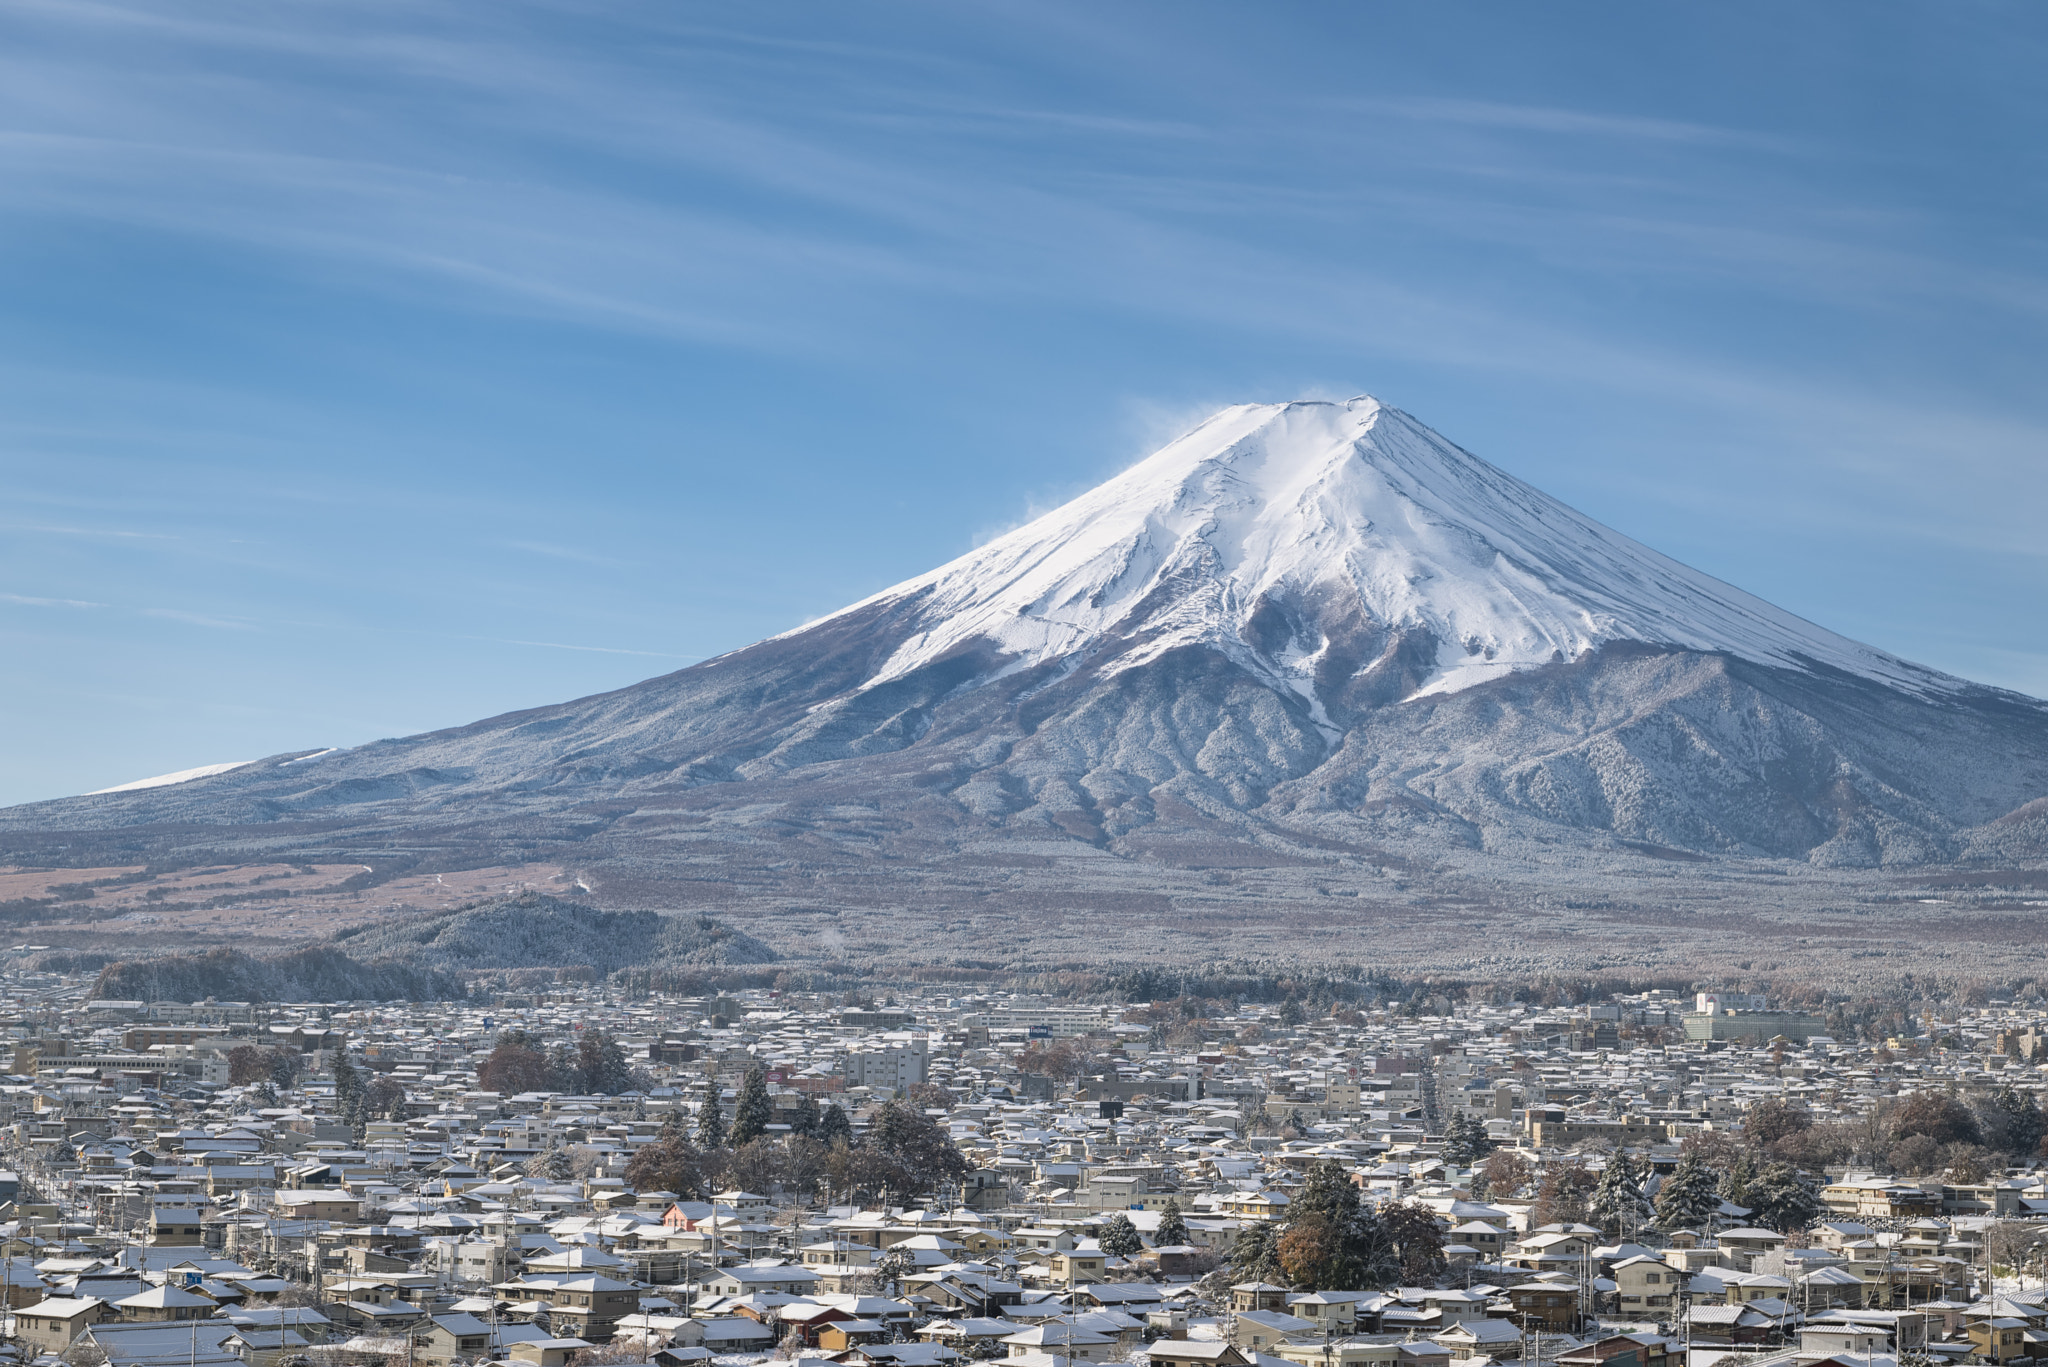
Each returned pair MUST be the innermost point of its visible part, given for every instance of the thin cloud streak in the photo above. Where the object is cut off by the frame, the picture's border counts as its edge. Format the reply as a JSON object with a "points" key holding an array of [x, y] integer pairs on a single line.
{"points": [[198, 619], [594, 650], [569, 553], [116, 533], [1569, 122], [26, 601]]}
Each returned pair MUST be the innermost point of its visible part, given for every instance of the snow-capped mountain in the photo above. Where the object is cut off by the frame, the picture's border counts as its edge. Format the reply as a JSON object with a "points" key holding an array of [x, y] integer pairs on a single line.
{"points": [[1316, 640], [1276, 533]]}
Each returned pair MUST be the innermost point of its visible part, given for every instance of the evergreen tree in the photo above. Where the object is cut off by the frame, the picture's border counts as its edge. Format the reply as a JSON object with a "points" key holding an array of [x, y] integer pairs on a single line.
{"points": [[711, 1121], [753, 1111], [1119, 1237], [1417, 1236], [264, 1095], [1618, 1202], [565, 1071], [1454, 1137], [1333, 1240], [805, 1120], [834, 1126], [1735, 1182], [554, 1165], [1688, 1199], [348, 1091], [1173, 1227], [1466, 1140], [1291, 1013], [2016, 1122], [1781, 1199], [922, 1154], [891, 1268], [601, 1065], [1328, 1194], [1255, 1257]]}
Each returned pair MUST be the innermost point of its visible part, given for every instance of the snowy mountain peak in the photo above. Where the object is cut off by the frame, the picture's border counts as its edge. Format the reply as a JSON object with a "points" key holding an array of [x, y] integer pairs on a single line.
{"points": [[1308, 540]]}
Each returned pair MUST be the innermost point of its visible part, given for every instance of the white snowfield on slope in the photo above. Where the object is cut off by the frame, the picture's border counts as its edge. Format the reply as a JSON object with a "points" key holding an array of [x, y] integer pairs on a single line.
{"points": [[1308, 496], [166, 780]]}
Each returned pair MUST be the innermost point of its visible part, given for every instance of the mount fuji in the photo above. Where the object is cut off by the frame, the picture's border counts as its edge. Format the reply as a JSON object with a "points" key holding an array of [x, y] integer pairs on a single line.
{"points": [[1305, 652]]}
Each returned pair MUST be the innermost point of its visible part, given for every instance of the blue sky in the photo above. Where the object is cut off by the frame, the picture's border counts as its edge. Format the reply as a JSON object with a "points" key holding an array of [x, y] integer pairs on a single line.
{"points": [[369, 368]]}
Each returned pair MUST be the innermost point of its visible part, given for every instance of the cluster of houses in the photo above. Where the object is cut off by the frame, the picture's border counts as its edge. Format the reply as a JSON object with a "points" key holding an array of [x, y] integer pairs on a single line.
{"points": [[162, 1210]]}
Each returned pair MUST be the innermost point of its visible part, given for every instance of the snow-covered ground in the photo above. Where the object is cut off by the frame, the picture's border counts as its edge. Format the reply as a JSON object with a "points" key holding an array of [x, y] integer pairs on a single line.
{"points": [[1342, 506], [166, 780]]}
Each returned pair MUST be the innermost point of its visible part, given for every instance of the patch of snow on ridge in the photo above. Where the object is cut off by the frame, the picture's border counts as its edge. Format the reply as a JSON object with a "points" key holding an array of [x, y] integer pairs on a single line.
{"points": [[1355, 501], [166, 780]]}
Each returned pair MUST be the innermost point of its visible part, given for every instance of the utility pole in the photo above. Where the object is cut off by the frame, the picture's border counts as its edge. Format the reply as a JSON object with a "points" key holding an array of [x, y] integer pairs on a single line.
{"points": [[1067, 1320]]}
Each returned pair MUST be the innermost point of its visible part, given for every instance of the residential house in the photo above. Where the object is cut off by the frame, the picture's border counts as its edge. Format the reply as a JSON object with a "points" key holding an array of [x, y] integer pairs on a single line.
{"points": [[1551, 1307], [555, 1352], [1249, 1296], [838, 1336], [1482, 1339], [1259, 1330], [1645, 1286], [1061, 1339], [1195, 1353], [51, 1326], [1084, 1263], [1625, 1350]]}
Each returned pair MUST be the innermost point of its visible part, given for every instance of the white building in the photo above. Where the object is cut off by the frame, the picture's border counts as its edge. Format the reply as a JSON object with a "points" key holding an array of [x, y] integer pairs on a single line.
{"points": [[898, 1059]]}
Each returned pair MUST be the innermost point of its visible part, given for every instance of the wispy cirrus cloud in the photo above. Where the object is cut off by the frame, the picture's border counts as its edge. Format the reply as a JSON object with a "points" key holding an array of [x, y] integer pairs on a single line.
{"points": [[199, 619], [28, 601], [117, 533], [594, 650], [1570, 122], [551, 551]]}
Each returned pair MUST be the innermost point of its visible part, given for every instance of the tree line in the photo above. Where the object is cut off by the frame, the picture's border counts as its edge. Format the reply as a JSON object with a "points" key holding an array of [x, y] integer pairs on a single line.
{"points": [[594, 1064], [903, 1154]]}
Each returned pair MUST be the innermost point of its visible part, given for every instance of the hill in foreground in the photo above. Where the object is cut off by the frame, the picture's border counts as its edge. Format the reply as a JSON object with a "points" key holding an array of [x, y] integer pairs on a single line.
{"points": [[534, 930], [425, 958], [318, 973]]}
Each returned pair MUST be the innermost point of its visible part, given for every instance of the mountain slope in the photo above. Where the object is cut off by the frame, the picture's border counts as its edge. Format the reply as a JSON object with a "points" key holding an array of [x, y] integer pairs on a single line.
{"points": [[1314, 638]]}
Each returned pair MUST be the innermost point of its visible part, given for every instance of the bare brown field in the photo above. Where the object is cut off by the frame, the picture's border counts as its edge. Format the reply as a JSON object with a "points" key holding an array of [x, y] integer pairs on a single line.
{"points": [[249, 905]]}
